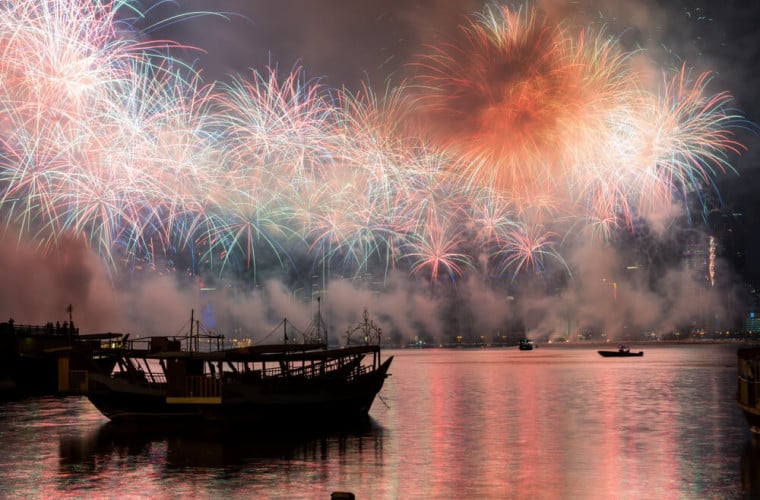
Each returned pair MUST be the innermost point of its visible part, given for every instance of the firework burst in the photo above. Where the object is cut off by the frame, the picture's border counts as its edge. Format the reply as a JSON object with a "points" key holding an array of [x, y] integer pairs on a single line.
{"points": [[519, 100], [531, 108], [509, 134]]}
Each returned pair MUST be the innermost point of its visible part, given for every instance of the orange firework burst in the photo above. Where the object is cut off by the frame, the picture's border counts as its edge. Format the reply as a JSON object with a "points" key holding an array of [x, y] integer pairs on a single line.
{"points": [[519, 100]]}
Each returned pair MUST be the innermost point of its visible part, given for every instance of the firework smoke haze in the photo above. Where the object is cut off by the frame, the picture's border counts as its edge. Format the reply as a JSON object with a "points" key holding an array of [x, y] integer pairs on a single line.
{"points": [[515, 138]]}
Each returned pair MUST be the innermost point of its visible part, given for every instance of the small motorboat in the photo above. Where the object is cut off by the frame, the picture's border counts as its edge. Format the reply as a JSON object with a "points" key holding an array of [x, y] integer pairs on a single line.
{"points": [[622, 352], [526, 344]]}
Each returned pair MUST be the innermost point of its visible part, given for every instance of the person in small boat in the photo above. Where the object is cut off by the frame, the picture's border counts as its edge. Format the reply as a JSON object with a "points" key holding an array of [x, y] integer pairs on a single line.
{"points": [[622, 348]]}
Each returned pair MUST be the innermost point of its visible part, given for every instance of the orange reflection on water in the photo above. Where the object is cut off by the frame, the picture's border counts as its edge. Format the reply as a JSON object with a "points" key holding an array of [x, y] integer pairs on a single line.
{"points": [[628, 459], [553, 423]]}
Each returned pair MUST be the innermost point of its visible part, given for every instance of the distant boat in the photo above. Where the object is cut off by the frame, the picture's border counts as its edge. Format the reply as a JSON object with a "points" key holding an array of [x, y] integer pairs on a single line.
{"points": [[622, 352], [527, 345], [304, 382], [748, 393]]}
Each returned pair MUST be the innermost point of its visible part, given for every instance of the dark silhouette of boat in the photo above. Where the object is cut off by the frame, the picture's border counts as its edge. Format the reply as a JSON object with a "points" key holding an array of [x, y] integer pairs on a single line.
{"points": [[305, 382], [622, 352], [748, 391], [527, 345], [50, 358]]}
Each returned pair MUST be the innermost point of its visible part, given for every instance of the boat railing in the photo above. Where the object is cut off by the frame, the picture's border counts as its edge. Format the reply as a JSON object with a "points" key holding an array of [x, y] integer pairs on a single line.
{"points": [[155, 377], [187, 343], [202, 386], [48, 329], [281, 372], [318, 369], [359, 371], [141, 376], [307, 371]]}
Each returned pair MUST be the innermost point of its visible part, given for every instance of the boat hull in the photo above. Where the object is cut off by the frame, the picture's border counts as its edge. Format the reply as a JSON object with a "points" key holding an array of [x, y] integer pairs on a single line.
{"points": [[310, 402], [526, 345], [618, 354]]}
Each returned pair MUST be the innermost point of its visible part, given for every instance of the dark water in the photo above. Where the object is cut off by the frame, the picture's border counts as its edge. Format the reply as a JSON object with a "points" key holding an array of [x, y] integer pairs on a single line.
{"points": [[557, 422]]}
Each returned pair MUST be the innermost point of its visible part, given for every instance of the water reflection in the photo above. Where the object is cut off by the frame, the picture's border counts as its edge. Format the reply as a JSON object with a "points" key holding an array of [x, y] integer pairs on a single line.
{"points": [[566, 423], [555, 423], [113, 446]]}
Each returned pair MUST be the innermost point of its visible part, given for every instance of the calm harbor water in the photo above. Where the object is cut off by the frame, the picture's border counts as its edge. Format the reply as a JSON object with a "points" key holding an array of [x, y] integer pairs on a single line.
{"points": [[556, 422]]}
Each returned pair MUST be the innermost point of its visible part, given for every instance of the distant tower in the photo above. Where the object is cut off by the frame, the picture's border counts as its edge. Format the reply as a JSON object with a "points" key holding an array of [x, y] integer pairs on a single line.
{"points": [[698, 259]]}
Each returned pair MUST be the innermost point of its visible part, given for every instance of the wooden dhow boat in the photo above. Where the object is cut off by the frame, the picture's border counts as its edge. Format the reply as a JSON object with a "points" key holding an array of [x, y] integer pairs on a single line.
{"points": [[304, 381]]}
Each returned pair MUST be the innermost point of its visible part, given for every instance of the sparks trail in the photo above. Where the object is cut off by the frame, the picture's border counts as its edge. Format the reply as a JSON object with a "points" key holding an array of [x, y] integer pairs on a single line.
{"points": [[530, 107], [111, 139]]}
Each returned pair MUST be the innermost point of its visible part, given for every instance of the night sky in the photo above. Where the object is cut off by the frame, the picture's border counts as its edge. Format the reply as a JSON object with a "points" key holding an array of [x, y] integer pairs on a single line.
{"points": [[349, 43]]}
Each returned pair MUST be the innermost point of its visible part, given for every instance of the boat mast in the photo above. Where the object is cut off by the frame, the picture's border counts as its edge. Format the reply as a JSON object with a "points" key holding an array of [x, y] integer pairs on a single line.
{"points": [[71, 323], [319, 322], [319, 317], [192, 320]]}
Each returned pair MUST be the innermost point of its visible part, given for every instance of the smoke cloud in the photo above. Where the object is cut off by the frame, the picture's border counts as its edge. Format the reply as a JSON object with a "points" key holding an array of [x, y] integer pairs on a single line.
{"points": [[605, 296]]}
